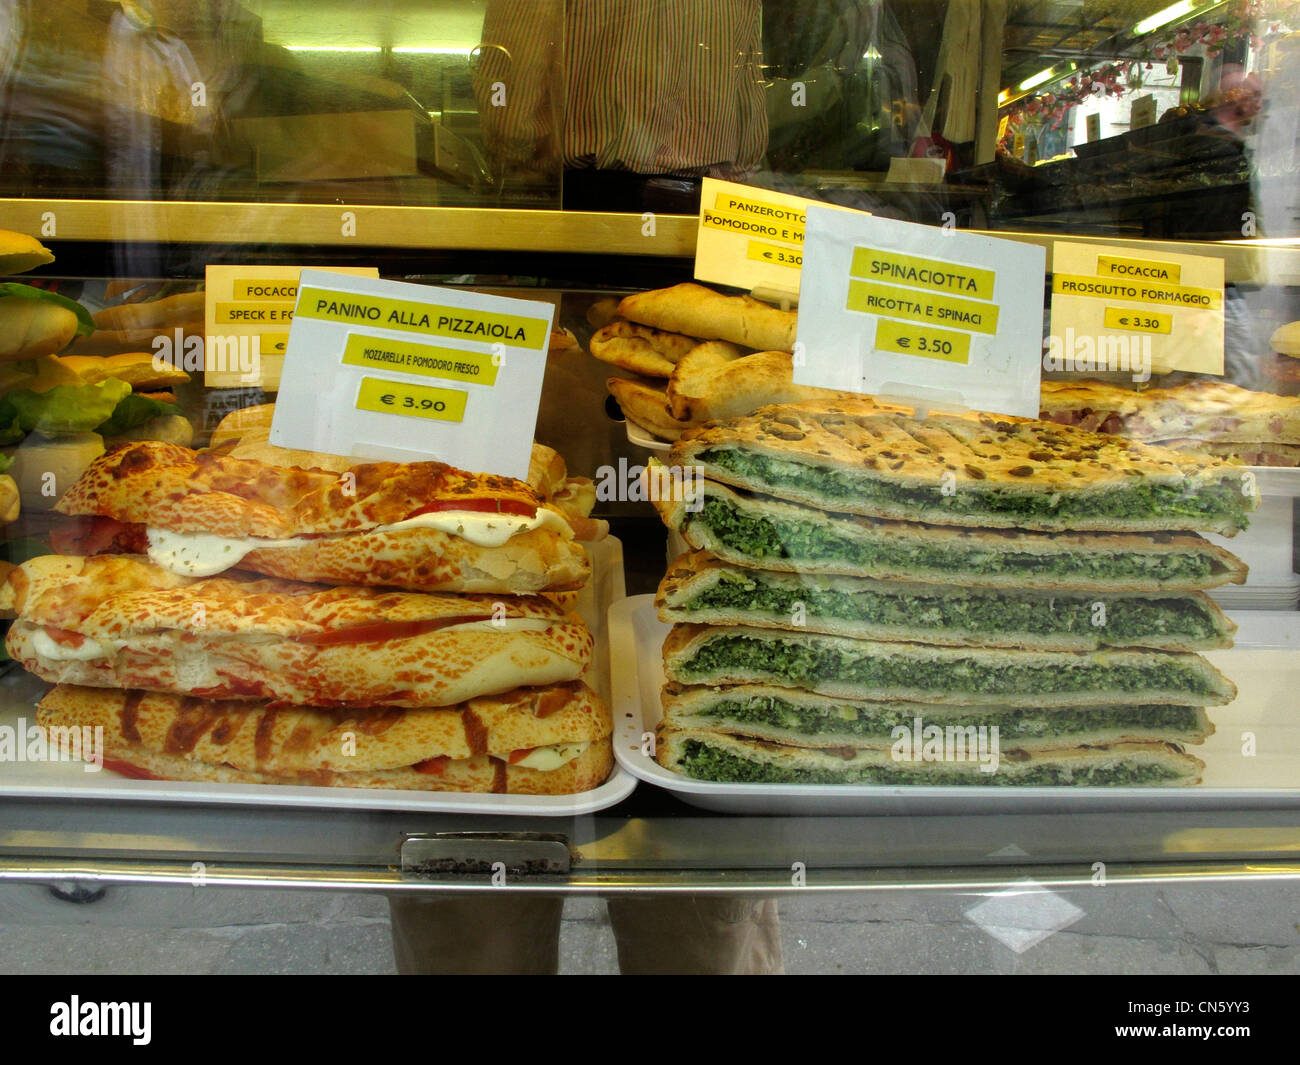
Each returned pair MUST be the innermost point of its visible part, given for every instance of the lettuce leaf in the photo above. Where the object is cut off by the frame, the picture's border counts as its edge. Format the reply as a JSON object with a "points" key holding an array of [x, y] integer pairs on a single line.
{"points": [[132, 412], [64, 409], [85, 323]]}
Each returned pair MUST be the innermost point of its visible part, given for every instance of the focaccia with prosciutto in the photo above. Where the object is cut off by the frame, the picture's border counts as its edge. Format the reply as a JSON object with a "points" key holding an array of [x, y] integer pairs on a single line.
{"points": [[120, 622]]}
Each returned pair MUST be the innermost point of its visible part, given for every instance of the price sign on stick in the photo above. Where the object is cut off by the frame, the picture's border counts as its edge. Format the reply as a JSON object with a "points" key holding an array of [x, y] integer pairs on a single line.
{"points": [[388, 370], [919, 314]]}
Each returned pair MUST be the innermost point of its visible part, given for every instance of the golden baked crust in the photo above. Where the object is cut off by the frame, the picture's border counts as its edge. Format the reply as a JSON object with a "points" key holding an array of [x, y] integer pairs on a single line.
{"points": [[901, 538], [701, 312], [639, 348], [170, 738], [296, 643], [646, 406], [987, 470], [174, 488], [260, 738]]}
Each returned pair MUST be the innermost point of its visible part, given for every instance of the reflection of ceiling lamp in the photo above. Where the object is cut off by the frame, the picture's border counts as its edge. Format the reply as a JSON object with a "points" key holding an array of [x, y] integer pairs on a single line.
{"points": [[372, 48], [1050, 74], [1168, 15]]}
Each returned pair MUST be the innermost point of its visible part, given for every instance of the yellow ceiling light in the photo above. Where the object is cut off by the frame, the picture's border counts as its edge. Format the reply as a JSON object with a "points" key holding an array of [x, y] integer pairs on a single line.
{"points": [[1037, 79], [1165, 16], [368, 48]]}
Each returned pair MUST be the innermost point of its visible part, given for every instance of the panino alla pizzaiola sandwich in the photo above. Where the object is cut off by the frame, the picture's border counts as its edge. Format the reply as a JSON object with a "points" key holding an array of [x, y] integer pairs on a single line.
{"points": [[856, 570], [203, 661]]}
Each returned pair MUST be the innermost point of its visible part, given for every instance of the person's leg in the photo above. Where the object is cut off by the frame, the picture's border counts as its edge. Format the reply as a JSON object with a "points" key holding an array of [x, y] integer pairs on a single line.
{"points": [[478, 932], [696, 934]]}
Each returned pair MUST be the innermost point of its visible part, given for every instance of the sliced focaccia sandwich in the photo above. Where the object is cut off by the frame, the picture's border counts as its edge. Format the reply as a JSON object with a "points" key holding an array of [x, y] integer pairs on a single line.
{"points": [[731, 759], [987, 471], [760, 531], [800, 718], [538, 741], [703, 589], [424, 526], [914, 672], [121, 622]]}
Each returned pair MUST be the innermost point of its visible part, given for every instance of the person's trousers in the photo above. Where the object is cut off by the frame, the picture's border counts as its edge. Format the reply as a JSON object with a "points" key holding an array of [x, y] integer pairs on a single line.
{"points": [[512, 932]]}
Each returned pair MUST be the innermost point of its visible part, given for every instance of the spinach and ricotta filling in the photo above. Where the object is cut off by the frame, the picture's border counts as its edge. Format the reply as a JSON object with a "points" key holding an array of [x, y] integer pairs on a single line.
{"points": [[1139, 499], [1013, 723], [759, 537], [808, 663], [706, 762], [1122, 619]]}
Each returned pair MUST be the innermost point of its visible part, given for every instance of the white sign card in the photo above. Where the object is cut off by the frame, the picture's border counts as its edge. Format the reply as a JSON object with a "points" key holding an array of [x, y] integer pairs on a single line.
{"points": [[389, 370], [917, 313]]}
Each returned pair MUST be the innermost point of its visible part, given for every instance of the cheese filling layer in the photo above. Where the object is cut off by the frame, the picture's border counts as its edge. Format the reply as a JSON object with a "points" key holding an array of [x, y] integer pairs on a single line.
{"points": [[552, 757], [206, 554]]}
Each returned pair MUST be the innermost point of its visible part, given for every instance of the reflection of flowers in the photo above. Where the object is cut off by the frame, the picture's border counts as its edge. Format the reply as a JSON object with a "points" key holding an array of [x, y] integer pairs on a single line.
{"points": [[1235, 22]]}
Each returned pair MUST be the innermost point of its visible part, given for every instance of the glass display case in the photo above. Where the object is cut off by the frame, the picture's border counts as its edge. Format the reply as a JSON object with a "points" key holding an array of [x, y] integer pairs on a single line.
{"points": [[555, 152]]}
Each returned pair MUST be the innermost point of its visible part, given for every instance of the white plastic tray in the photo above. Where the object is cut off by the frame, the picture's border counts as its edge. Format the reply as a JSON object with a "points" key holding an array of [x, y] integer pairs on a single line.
{"points": [[19, 693], [1265, 666], [643, 437]]}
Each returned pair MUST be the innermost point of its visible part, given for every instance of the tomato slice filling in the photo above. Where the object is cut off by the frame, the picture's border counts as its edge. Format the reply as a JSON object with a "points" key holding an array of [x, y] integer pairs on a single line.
{"points": [[126, 769], [64, 637], [436, 766], [520, 755], [480, 506]]}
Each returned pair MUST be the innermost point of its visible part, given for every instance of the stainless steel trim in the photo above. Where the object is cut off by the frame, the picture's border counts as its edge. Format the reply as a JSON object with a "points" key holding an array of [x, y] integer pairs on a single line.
{"points": [[751, 882], [497, 229]]}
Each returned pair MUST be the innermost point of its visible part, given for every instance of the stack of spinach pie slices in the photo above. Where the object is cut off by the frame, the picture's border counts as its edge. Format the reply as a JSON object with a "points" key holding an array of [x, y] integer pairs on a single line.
{"points": [[870, 595]]}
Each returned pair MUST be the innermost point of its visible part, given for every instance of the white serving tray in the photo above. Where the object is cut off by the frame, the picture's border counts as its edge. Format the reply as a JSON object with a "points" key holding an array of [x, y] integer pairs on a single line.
{"points": [[20, 691], [1265, 666]]}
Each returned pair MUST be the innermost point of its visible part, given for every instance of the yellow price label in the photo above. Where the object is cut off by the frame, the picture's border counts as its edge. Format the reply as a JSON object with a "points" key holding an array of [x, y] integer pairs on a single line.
{"points": [[1138, 269], [262, 288], [918, 305], [254, 313], [411, 401], [274, 343], [1138, 321], [774, 253], [874, 264], [427, 360], [904, 339]]}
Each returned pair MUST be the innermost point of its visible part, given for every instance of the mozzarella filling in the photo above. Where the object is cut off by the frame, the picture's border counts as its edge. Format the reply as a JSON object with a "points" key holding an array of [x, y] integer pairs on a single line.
{"points": [[206, 554]]}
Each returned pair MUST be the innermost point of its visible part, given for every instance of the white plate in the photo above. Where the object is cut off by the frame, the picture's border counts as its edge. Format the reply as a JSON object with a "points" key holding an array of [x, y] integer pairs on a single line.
{"points": [[19, 693], [643, 437], [1264, 665], [1277, 480]]}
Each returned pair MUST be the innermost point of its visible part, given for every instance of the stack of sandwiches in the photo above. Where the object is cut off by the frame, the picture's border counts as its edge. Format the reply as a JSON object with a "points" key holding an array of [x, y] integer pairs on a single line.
{"points": [[425, 653], [862, 578], [697, 355]]}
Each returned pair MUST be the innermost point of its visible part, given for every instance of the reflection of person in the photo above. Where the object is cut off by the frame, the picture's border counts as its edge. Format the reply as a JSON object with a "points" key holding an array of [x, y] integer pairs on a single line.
{"points": [[646, 87], [500, 932]]}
